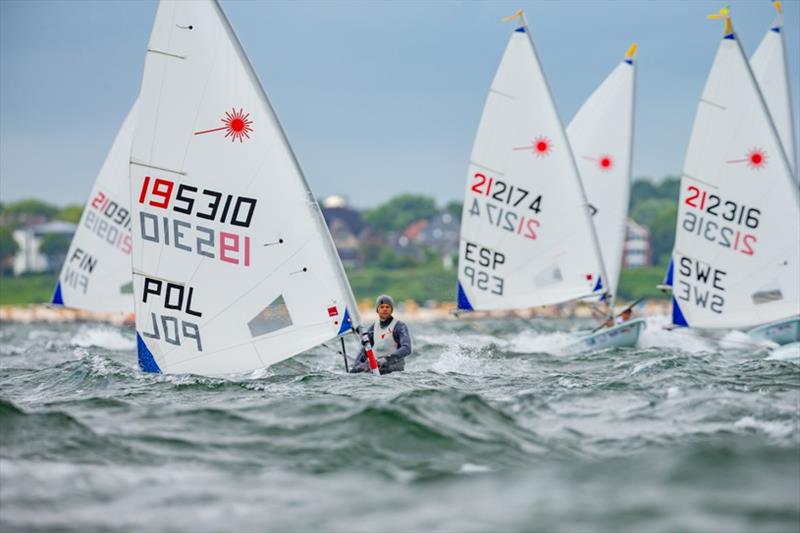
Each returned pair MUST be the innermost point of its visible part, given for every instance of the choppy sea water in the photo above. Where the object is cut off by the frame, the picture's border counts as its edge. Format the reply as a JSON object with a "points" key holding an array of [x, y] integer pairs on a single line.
{"points": [[491, 428]]}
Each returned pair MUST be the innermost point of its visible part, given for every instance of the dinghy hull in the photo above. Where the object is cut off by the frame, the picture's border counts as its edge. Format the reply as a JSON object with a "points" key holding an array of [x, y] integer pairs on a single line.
{"points": [[781, 332], [623, 335]]}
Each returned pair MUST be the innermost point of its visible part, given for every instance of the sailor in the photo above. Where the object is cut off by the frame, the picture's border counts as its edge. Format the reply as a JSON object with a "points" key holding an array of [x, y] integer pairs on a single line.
{"points": [[624, 316], [390, 340]]}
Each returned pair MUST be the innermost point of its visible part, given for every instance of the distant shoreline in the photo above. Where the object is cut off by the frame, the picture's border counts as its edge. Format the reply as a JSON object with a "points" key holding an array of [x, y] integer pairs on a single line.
{"points": [[407, 310]]}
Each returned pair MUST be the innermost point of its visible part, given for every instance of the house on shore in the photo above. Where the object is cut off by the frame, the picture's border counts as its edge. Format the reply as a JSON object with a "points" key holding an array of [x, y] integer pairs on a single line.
{"points": [[29, 258]]}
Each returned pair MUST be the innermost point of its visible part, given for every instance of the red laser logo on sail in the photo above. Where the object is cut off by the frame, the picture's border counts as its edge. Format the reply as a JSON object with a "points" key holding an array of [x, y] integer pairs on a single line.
{"points": [[605, 162], [756, 159], [541, 147], [237, 125]]}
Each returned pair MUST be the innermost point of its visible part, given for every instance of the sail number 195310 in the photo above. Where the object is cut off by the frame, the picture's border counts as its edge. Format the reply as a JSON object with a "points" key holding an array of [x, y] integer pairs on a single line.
{"points": [[190, 218], [205, 204]]}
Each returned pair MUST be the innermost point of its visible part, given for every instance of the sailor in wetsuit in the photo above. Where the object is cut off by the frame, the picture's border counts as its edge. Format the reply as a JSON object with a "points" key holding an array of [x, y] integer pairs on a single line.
{"points": [[624, 316], [390, 340]]}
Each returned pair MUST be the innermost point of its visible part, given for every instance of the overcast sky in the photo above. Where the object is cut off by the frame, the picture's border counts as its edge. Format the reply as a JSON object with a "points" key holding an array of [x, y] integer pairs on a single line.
{"points": [[377, 98]]}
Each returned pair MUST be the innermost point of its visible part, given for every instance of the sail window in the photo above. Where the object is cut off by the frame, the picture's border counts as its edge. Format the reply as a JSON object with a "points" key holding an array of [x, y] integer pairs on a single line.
{"points": [[548, 276], [274, 317], [767, 296]]}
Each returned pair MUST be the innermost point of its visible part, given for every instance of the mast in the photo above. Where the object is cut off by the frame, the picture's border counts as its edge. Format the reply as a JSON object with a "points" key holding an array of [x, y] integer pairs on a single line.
{"points": [[631, 60], [779, 25]]}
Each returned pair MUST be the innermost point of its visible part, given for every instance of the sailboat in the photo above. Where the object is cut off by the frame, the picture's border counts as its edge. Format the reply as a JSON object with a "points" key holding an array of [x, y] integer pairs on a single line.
{"points": [[527, 237], [233, 266], [768, 65], [96, 275], [736, 257], [601, 136]]}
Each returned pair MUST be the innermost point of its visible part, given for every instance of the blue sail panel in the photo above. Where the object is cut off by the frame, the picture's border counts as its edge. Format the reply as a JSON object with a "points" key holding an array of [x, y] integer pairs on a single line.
{"points": [[347, 323], [147, 363], [668, 275], [463, 301], [677, 315], [57, 298]]}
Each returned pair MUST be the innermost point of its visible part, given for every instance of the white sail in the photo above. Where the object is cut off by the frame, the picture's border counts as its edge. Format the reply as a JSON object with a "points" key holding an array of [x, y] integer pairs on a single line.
{"points": [[96, 275], [737, 251], [234, 268], [769, 68], [601, 136], [526, 232]]}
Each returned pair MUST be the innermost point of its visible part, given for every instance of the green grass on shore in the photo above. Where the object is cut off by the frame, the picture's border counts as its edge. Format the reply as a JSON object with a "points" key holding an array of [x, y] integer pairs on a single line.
{"points": [[429, 282], [641, 282], [27, 289]]}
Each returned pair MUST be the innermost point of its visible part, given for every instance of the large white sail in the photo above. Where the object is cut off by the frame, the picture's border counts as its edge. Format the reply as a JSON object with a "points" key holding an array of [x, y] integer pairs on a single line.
{"points": [[769, 68], [737, 255], [234, 268], [526, 232], [601, 136], [96, 275]]}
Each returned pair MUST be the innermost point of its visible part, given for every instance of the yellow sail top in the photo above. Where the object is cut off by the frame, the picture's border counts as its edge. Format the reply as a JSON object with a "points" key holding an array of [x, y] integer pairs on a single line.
{"points": [[519, 14], [723, 14]]}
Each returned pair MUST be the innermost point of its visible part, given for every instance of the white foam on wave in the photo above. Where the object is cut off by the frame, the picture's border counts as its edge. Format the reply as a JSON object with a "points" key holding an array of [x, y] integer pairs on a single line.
{"points": [[469, 468], [472, 340], [789, 352], [684, 339], [739, 340], [773, 429], [99, 364], [529, 341], [103, 337], [461, 360]]}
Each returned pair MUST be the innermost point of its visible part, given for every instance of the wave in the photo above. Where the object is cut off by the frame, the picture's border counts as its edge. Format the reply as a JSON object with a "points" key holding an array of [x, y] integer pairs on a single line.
{"points": [[106, 337]]}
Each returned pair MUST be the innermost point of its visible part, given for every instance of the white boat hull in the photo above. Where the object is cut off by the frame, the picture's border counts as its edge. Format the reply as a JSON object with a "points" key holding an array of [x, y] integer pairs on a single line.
{"points": [[781, 332], [623, 335]]}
